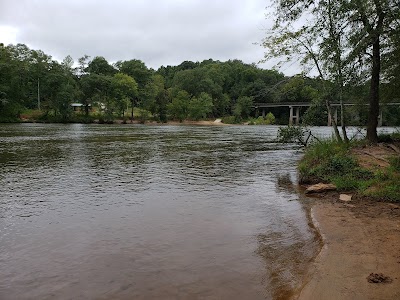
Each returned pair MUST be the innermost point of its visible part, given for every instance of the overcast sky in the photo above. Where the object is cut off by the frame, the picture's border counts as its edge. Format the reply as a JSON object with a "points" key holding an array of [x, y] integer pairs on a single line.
{"points": [[158, 32]]}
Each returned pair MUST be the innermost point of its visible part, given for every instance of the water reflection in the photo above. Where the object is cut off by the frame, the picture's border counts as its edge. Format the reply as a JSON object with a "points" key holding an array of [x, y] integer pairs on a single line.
{"points": [[149, 212]]}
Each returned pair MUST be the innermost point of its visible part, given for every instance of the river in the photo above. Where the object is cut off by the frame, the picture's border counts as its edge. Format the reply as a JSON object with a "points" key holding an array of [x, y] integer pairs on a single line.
{"points": [[150, 212]]}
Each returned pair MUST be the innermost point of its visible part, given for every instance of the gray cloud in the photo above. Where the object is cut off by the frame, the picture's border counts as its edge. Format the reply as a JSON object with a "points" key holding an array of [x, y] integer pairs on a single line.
{"points": [[159, 32]]}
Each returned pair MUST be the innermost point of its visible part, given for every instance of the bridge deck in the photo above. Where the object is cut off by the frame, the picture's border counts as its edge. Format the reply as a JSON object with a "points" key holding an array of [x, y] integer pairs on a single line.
{"points": [[307, 104]]}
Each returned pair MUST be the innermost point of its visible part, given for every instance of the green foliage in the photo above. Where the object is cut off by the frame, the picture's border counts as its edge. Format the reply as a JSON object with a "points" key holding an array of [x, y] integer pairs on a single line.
{"points": [[268, 120], [125, 89], [385, 185], [389, 137], [100, 66], [201, 107], [232, 85], [330, 161], [230, 120], [179, 107], [137, 70], [293, 134], [151, 92], [346, 41], [395, 163], [243, 107], [346, 182], [144, 115], [315, 115]]}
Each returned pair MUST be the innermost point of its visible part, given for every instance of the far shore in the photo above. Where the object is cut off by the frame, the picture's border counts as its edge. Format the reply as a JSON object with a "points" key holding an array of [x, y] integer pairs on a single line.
{"points": [[216, 122], [361, 240]]}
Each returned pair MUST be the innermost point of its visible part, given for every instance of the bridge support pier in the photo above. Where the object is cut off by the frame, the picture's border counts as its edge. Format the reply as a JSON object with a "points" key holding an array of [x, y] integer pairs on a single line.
{"points": [[380, 118], [335, 116], [263, 113], [296, 117]]}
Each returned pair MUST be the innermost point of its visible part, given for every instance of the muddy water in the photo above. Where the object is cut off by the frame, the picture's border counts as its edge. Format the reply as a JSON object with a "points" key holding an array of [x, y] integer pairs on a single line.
{"points": [[149, 212]]}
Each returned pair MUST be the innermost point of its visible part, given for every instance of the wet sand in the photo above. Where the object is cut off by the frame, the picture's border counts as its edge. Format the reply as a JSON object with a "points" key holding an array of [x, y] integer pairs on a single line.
{"points": [[359, 238]]}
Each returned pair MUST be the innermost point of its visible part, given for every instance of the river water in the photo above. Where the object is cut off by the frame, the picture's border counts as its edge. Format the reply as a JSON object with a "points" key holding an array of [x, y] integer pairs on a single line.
{"points": [[150, 212]]}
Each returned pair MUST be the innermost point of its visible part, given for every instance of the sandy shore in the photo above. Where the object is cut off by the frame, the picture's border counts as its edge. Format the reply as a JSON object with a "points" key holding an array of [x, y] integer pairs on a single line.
{"points": [[217, 122], [360, 238]]}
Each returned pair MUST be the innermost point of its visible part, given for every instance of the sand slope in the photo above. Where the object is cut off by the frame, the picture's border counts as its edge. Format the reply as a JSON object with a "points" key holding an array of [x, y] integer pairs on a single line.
{"points": [[359, 239]]}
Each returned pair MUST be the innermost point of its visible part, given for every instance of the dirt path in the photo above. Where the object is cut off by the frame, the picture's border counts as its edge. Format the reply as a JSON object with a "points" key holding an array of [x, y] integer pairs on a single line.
{"points": [[359, 239]]}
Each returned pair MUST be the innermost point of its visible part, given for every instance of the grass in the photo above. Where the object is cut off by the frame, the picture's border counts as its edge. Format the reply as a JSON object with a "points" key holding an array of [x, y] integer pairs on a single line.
{"points": [[332, 162]]}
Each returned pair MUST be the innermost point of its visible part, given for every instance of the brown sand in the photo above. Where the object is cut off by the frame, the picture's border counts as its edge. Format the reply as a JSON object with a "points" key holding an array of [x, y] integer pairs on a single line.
{"points": [[360, 238]]}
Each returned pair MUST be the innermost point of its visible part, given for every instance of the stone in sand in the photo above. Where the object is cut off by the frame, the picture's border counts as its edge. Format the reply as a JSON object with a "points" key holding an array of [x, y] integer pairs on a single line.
{"points": [[320, 188], [345, 198]]}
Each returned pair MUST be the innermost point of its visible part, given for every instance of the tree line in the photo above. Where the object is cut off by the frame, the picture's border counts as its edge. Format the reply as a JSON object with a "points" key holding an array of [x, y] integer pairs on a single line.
{"points": [[32, 79]]}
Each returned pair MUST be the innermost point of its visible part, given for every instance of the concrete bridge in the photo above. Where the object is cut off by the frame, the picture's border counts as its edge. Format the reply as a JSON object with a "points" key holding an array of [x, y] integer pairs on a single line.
{"points": [[294, 110]]}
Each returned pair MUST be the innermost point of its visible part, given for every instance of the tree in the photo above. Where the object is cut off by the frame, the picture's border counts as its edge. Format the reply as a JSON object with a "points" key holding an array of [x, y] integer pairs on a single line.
{"points": [[125, 91], [162, 105], [82, 65], [243, 107], [178, 108], [337, 39], [151, 93], [136, 69], [67, 64], [291, 38], [99, 89], [200, 107], [100, 66], [374, 22]]}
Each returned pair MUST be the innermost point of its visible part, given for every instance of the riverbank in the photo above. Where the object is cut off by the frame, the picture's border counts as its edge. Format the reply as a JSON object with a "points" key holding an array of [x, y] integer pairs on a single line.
{"points": [[360, 257], [185, 122], [360, 238]]}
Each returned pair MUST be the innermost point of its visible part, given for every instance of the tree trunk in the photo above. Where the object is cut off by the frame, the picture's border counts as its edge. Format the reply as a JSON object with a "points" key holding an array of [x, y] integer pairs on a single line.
{"points": [[86, 109], [372, 135], [342, 123], [334, 124], [132, 101]]}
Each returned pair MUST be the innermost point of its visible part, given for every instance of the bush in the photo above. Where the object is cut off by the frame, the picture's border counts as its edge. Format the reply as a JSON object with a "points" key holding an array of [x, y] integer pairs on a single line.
{"points": [[389, 138], [385, 138], [330, 161], [230, 120], [268, 120], [293, 134]]}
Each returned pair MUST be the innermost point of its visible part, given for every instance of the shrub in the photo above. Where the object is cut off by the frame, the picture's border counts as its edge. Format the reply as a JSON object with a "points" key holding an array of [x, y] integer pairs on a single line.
{"points": [[268, 120], [330, 161], [229, 120]]}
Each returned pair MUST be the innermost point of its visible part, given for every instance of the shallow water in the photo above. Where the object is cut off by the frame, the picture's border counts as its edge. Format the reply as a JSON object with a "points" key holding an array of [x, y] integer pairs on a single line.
{"points": [[150, 212]]}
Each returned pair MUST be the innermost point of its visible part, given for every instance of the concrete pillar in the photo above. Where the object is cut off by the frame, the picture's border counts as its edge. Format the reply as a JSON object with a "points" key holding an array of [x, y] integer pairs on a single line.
{"points": [[291, 115], [380, 118], [263, 113], [335, 114], [329, 119], [297, 115]]}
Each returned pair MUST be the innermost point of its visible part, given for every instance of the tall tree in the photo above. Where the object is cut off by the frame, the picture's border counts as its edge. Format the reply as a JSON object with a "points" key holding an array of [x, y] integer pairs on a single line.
{"points": [[338, 37], [125, 91], [374, 22], [100, 66], [136, 69]]}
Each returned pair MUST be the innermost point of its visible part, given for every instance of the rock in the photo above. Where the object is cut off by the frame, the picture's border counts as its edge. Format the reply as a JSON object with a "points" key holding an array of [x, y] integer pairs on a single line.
{"points": [[345, 198], [378, 278], [218, 121], [320, 188]]}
